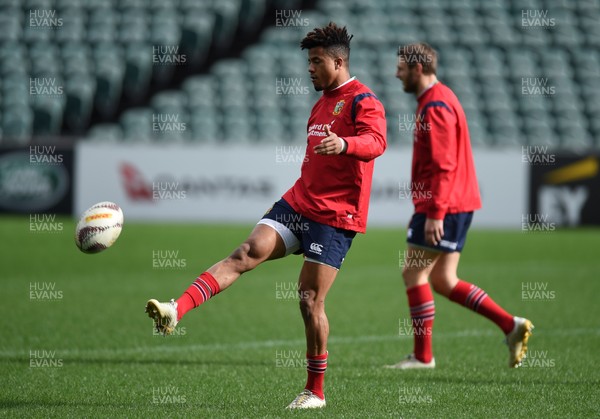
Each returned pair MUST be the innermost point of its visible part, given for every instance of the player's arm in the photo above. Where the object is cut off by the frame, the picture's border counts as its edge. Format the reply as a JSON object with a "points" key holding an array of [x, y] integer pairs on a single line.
{"points": [[370, 141], [442, 139]]}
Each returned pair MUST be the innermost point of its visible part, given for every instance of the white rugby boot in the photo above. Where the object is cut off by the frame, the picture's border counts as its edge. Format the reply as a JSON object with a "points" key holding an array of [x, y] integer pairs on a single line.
{"points": [[307, 400], [517, 341], [411, 362], [163, 314]]}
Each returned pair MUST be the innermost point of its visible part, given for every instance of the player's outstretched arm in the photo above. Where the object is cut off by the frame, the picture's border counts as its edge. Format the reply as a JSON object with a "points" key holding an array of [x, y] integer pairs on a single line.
{"points": [[370, 140]]}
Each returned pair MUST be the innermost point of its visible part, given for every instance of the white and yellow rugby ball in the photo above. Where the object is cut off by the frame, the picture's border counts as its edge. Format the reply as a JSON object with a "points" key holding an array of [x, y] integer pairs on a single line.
{"points": [[99, 227]]}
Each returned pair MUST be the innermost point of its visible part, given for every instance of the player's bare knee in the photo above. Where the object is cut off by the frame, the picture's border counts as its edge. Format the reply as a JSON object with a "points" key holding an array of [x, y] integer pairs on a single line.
{"points": [[242, 258], [441, 283], [438, 288], [410, 277]]}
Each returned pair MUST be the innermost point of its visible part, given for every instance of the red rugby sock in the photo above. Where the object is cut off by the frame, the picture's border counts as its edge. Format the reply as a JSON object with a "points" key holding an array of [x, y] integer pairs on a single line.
{"points": [[202, 289], [422, 313], [473, 297], [316, 366]]}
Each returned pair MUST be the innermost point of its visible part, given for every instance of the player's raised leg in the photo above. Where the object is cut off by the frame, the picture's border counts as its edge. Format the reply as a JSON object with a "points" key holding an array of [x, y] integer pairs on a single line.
{"points": [[445, 281], [418, 264], [314, 284], [264, 243]]}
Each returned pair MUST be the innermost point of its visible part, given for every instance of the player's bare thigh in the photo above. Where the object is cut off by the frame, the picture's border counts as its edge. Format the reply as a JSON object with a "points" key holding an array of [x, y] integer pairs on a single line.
{"points": [[263, 243]]}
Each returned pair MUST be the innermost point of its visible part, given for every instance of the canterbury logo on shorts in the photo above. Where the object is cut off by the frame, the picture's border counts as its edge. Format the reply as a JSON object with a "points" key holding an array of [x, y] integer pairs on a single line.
{"points": [[316, 248]]}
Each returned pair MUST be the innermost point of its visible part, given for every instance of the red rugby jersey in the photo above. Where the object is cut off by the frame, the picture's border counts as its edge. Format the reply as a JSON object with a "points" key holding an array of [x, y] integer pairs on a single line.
{"points": [[335, 190], [442, 158]]}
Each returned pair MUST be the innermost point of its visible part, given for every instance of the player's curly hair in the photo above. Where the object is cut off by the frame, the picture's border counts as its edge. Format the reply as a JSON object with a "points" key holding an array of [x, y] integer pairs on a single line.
{"points": [[333, 38]]}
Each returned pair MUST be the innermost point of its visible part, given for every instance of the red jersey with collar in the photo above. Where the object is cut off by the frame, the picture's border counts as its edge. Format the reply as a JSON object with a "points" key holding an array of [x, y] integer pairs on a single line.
{"points": [[442, 158], [335, 189]]}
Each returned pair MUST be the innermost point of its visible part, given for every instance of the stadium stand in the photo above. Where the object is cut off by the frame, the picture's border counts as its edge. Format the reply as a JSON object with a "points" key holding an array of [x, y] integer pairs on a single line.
{"points": [[488, 55]]}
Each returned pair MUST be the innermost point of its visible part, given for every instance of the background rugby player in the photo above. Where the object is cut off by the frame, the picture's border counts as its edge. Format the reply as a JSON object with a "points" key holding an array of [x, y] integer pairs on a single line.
{"points": [[443, 169]]}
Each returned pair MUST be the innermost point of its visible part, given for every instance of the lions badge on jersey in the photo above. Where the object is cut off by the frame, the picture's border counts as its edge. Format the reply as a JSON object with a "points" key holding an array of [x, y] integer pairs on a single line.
{"points": [[338, 107]]}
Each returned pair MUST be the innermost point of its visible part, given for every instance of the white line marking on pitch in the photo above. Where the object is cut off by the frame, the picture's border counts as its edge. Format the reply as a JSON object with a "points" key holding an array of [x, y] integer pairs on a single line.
{"points": [[335, 340]]}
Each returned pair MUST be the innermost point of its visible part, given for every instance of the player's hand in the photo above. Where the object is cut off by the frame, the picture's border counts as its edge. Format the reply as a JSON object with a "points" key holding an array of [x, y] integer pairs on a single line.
{"points": [[332, 144], [434, 231]]}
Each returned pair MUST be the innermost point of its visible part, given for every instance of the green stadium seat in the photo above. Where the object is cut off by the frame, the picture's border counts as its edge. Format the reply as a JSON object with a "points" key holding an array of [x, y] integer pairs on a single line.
{"points": [[205, 128], [237, 129], [440, 35], [165, 34], [498, 103], [567, 36], [16, 88], [537, 120], [507, 137], [534, 38], [470, 33], [479, 136], [68, 5], [138, 70], [33, 34], [571, 119], [591, 102], [251, 14], [558, 5], [73, 28], [566, 102], [541, 136], [132, 4], [137, 125], [493, 10], [17, 125], [133, 31], [455, 64], [109, 84], [171, 99], [586, 63], [528, 104], [286, 4], [268, 128], [14, 65], [490, 62], [575, 137], [101, 34], [47, 115], [79, 91], [501, 34], [196, 36], [261, 69], [501, 119], [227, 13]]}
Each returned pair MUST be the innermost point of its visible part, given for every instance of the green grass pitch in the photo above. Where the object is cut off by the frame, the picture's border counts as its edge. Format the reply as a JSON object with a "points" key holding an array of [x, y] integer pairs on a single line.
{"points": [[77, 343]]}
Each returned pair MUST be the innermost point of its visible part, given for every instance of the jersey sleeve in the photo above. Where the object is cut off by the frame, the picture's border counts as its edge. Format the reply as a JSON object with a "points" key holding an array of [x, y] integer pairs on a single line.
{"points": [[443, 145], [371, 130]]}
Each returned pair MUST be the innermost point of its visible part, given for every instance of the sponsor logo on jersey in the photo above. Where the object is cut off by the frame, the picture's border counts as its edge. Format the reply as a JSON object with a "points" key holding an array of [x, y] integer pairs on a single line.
{"points": [[338, 107]]}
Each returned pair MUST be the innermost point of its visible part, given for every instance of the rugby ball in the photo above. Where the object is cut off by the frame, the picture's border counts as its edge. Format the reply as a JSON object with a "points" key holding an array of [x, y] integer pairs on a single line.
{"points": [[99, 227]]}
